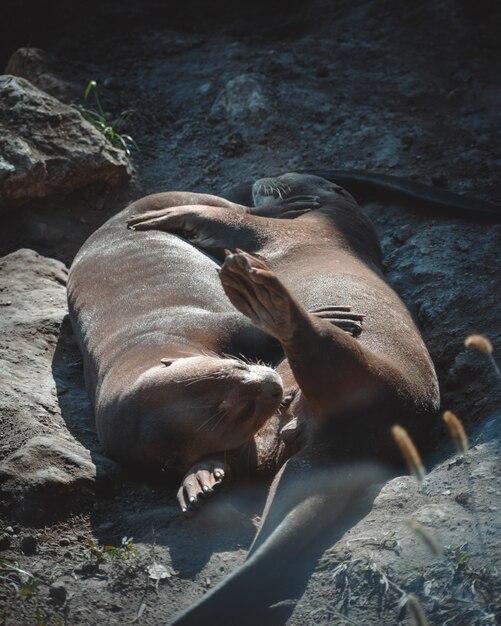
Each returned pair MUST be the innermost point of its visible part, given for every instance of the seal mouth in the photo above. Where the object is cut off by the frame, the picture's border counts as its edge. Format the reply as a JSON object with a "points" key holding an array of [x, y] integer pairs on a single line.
{"points": [[268, 188]]}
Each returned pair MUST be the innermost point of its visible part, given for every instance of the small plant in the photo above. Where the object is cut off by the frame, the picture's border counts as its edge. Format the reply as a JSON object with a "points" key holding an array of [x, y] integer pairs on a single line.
{"points": [[456, 431], [46, 620], [123, 552], [409, 452], [99, 120], [482, 344], [25, 583]]}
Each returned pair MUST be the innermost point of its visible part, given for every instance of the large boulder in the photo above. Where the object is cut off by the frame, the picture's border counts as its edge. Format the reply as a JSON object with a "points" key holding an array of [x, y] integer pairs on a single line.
{"points": [[41, 411], [47, 147]]}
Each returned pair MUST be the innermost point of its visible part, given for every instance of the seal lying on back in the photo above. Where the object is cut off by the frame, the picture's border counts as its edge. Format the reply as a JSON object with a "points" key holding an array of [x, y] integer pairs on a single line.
{"points": [[347, 392], [152, 321]]}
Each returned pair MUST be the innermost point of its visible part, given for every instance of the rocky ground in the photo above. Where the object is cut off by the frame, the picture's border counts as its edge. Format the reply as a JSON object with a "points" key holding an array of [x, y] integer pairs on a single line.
{"points": [[407, 90]]}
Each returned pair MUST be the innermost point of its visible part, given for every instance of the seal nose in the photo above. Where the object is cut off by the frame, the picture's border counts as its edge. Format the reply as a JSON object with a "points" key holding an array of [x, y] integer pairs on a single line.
{"points": [[269, 381], [273, 385]]}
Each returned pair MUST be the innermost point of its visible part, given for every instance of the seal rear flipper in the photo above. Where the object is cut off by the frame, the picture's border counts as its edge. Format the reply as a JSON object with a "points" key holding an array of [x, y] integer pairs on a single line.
{"points": [[404, 189], [311, 503]]}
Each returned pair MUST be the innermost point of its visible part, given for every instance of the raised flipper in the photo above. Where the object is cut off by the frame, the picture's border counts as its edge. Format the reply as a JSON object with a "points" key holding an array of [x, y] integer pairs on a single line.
{"points": [[334, 371]]}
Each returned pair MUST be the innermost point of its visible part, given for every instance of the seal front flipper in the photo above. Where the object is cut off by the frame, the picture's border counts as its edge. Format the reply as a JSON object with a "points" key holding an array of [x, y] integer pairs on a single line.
{"points": [[200, 481], [286, 208], [208, 227]]}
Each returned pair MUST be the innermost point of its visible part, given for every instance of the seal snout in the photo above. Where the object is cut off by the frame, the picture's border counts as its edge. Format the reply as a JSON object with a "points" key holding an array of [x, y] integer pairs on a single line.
{"points": [[265, 378], [266, 188]]}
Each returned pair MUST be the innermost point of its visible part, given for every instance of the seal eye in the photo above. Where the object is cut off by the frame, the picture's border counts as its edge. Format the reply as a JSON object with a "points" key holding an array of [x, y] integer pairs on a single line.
{"points": [[191, 236]]}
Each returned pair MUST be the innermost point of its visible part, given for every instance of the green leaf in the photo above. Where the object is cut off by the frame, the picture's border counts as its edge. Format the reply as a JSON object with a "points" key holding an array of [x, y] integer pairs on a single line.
{"points": [[25, 591], [92, 85]]}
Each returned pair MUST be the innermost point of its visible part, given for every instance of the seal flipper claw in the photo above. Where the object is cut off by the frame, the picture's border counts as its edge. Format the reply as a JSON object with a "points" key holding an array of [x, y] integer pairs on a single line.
{"points": [[199, 483]]}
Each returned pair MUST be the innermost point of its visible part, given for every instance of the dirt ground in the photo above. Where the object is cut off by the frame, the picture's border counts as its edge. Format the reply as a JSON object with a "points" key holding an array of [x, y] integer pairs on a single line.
{"points": [[405, 89]]}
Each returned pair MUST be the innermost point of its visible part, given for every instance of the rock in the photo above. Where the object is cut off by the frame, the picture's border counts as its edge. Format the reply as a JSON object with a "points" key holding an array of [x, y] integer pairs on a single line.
{"points": [[58, 593], [39, 458], [322, 71], [49, 464], [241, 100], [5, 541], [233, 145], [47, 147], [43, 70], [29, 545], [402, 234], [407, 141], [446, 513]]}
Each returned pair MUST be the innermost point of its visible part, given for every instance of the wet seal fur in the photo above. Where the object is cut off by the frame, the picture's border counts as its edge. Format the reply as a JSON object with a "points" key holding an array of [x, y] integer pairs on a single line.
{"points": [[346, 392], [153, 322]]}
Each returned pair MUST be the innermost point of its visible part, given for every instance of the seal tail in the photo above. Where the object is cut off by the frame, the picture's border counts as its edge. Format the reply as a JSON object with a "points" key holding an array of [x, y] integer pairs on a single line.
{"points": [[404, 189], [305, 513]]}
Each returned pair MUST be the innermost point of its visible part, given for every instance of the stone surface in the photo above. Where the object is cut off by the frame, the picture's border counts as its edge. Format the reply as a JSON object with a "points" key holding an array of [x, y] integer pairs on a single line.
{"points": [[242, 99], [456, 507], [47, 72], [39, 457], [47, 147], [48, 464], [58, 592]]}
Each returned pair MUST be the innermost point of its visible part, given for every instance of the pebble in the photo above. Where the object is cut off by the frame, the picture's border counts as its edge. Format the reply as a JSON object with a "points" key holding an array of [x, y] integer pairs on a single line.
{"points": [[29, 545], [58, 593], [5, 541], [233, 145]]}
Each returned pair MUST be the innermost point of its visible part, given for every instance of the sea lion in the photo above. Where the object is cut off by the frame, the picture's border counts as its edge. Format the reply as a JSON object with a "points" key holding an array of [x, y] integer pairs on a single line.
{"points": [[153, 324], [329, 252], [386, 187], [347, 392]]}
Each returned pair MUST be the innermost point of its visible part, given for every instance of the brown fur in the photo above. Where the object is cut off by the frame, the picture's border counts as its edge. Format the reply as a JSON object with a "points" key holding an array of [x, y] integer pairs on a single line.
{"points": [[346, 392], [153, 324]]}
